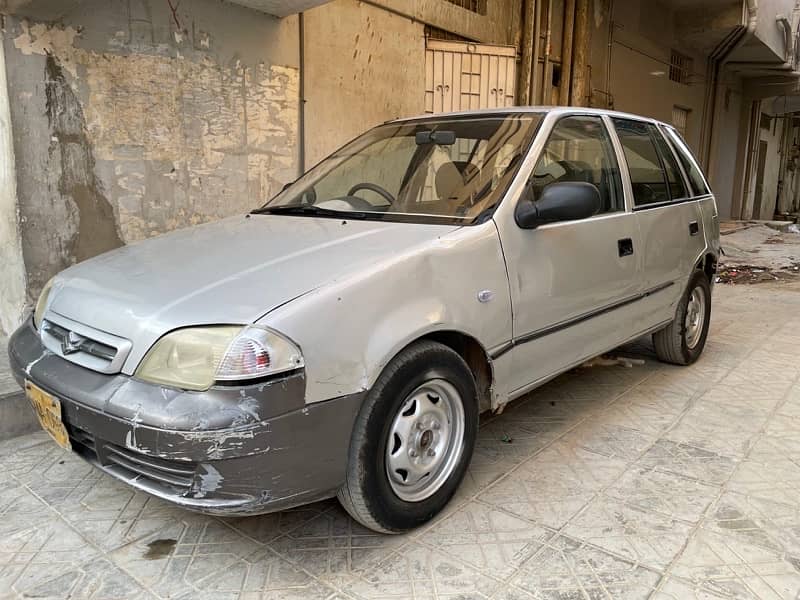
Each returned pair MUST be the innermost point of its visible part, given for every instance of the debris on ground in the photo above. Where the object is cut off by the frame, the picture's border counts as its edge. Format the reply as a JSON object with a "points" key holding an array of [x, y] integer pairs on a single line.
{"points": [[752, 274], [759, 253], [507, 439], [608, 360]]}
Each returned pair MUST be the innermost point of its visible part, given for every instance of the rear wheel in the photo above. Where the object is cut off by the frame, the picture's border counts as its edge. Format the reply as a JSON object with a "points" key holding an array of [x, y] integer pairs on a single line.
{"points": [[412, 441], [682, 341]]}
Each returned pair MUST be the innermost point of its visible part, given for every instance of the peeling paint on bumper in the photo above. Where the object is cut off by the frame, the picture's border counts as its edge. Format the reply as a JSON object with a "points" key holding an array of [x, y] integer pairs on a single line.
{"points": [[242, 450]]}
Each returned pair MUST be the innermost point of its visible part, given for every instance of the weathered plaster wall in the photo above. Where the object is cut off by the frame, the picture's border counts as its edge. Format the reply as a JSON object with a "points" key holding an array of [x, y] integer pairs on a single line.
{"points": [[644, 35], [12, 267], [363, 66], [130, 121]]}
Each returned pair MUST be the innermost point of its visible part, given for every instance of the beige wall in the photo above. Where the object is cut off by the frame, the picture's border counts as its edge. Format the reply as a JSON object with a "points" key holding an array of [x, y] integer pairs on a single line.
{"points": [[644, 35], [729, 134], [363, 66], [500, 24]]}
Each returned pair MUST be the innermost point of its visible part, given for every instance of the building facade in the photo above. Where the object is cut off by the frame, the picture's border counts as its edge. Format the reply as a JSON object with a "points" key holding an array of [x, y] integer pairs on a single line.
{"points": [[124, 119]]}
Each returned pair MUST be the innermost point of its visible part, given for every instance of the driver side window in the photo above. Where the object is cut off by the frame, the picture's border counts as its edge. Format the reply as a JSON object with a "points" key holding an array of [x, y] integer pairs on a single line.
{"points": [[579, 150]]}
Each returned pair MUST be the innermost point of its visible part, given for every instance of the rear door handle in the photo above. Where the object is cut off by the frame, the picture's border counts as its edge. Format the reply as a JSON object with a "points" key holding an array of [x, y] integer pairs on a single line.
{"points": [[694, 228], [625, 247]]}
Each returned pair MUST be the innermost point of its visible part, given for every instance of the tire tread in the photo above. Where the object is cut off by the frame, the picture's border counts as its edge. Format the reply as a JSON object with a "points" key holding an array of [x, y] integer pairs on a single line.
{"points": [[351, 494]]}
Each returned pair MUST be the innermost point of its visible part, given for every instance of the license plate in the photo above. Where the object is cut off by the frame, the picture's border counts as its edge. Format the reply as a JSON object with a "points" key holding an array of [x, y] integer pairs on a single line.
{"points": [[48, 409]]}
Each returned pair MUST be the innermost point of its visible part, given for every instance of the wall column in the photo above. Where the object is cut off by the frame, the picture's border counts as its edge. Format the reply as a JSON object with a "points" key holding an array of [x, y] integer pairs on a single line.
{"points": [[12, 265]]}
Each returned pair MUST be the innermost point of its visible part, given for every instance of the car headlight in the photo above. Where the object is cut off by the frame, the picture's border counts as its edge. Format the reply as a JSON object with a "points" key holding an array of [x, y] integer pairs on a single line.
{"points": [[41, 304], [194, 358]]}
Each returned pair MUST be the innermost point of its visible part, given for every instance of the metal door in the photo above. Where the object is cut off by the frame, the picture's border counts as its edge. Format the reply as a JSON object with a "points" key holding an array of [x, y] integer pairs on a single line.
{"points": [[467, 76]]}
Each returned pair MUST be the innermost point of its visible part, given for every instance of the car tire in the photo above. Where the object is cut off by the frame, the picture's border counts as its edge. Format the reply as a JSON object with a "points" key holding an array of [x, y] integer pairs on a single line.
{"points": [[682, 341], [421, 415]]}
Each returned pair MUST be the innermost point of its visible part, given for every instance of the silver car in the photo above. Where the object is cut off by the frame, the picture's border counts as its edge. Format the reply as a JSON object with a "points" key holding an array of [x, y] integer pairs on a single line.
{"points": [[343, 339]]}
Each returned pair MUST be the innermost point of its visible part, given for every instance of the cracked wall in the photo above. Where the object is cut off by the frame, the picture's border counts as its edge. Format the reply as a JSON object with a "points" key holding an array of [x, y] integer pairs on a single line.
{"points": [[130, 120]]}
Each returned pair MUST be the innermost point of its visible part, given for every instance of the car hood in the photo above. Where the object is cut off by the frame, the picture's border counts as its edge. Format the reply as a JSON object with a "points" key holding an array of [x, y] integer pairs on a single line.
{"points": [[232, 271]]}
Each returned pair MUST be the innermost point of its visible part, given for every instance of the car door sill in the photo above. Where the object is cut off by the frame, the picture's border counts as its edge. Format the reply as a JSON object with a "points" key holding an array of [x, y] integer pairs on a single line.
{"points": [[551, 329], [542, 380]]}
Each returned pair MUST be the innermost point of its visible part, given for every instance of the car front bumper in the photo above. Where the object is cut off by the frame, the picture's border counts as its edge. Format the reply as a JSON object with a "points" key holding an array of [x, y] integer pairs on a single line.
{"points": [[232, 450]]}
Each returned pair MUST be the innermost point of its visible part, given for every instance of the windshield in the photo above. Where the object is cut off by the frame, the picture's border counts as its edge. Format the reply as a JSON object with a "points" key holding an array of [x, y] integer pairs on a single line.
{"points": [[450, 170]]}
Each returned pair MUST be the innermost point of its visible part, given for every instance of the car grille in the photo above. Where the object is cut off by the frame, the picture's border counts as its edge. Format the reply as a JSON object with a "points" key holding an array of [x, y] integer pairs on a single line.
{"points": [[84, 345], [80, 344], [177, 476]]}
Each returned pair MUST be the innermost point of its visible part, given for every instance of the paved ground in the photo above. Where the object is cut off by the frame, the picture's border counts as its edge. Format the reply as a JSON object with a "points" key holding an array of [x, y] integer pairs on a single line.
{"points": [[655, 481]]}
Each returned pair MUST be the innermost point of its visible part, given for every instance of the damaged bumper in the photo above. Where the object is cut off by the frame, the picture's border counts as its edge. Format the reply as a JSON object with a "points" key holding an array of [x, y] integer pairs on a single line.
{"points": [[230, 450]]}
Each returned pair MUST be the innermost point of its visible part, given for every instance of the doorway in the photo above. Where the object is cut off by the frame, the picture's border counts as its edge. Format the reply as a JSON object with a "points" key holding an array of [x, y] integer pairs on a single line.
{"points": [[762, 164]]}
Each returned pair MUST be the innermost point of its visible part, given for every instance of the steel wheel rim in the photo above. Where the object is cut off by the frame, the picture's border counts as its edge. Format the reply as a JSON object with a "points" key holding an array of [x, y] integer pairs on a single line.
{"points": [[425, 441], [695, 317]]}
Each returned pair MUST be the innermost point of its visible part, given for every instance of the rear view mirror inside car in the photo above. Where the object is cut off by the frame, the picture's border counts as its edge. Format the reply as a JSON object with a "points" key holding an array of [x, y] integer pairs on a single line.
{"points": [[441, 138]]}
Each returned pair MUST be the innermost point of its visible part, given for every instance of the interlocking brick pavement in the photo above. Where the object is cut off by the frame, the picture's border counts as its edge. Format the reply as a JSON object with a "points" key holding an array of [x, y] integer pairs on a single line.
{"points": [[650, 482]]}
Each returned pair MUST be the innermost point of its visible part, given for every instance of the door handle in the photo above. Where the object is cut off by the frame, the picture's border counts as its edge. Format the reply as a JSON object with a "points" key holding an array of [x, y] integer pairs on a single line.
{"points": [[625, 247], [694, 228]]}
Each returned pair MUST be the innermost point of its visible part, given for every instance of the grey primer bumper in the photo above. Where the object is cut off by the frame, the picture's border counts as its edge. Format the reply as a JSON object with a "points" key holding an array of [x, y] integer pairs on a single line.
{"points": [[230, 450]]}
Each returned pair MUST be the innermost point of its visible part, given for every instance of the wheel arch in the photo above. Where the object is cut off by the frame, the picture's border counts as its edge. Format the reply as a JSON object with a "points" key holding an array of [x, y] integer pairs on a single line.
{"points": [[708, 264], [476, 357], [468, 348]]}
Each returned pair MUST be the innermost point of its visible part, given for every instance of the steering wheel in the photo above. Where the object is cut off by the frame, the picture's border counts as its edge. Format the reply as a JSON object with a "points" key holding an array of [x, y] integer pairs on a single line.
{"points": [[374, 187]]}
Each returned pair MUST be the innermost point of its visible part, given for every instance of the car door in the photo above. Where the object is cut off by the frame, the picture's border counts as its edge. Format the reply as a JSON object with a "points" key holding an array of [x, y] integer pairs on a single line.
{"points": [[667, 214], [571, 282]]}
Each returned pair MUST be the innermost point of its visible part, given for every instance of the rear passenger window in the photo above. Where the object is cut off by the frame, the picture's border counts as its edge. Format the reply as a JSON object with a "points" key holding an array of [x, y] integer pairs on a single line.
{"points": [[696, 179], [579, 149], [677, 187], [648, 178]]}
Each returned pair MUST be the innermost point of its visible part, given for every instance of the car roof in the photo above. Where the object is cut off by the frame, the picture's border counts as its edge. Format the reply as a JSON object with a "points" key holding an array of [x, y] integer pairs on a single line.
{"points": [[516, 110]]}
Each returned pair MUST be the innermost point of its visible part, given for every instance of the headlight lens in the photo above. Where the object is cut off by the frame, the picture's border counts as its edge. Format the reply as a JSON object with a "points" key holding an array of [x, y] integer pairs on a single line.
{"points": [[196, 357], [41, 304]]}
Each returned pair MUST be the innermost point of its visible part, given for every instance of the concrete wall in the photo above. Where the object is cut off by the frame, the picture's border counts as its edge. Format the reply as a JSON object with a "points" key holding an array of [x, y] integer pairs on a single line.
{"points": [[363, 66], [767, 29], [130, 121], [729, 135], [644, 35]]}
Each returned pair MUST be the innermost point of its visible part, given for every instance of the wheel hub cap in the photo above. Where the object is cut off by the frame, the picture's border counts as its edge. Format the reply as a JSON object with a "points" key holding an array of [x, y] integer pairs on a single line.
{"points": [[425, 440], [695, 317]]}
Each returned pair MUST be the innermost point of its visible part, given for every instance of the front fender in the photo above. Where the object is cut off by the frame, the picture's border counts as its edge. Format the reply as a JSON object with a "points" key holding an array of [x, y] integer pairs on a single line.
{"points": [[350, 329]]}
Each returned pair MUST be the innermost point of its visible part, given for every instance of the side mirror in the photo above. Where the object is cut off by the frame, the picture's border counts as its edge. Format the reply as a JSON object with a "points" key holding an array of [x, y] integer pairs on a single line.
{"points": [[567, 201]]}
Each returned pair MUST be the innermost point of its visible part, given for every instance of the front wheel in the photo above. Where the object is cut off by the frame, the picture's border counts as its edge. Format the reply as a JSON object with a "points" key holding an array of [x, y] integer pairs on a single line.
{"points": [[412, 441], [682, 341]]}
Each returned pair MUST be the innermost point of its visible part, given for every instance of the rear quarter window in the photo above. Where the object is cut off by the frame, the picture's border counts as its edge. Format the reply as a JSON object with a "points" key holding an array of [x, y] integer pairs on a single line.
{"points": [[697, 181]]}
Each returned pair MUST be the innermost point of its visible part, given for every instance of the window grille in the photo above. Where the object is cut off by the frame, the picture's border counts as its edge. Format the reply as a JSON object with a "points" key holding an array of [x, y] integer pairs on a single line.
{"points": [[680, 67], [476, 6]]}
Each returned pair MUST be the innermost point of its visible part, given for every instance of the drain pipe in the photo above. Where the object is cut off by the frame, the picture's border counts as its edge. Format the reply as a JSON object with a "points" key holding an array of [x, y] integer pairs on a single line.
{"points": [[529, 17], [536, 43], [301, 117], [566, 53], [722, 60], [547, 83]]}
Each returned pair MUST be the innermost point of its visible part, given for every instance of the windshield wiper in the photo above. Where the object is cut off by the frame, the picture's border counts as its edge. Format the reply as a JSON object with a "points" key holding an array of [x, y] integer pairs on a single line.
{"points": [[308, 210]]}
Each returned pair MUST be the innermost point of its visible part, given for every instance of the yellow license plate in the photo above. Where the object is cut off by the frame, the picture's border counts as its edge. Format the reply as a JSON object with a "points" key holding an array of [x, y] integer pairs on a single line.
{"points": [[48, 409]]}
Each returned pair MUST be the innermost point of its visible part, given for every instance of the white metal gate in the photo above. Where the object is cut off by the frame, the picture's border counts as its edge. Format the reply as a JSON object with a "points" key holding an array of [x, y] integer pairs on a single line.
{"points": [[466, 76]]}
